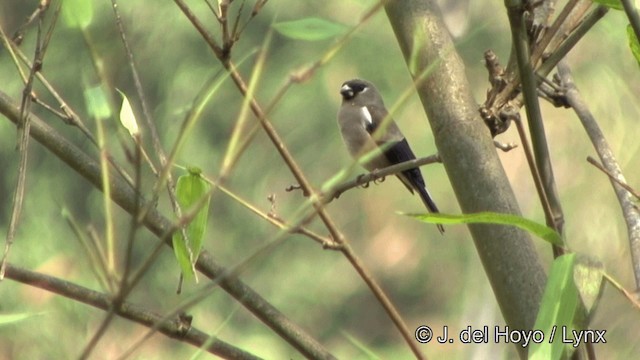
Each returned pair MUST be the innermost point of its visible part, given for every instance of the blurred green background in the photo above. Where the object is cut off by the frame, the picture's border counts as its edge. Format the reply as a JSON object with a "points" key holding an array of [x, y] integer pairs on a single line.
{"points": [[433, 280]]}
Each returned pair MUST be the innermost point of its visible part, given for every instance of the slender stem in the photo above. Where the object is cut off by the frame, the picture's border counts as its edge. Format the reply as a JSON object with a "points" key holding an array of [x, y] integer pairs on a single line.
{"points": [[534, 116], [125, 196], [611, 176], [363, 179], [625, 198], [172, 329], [572, 40]]}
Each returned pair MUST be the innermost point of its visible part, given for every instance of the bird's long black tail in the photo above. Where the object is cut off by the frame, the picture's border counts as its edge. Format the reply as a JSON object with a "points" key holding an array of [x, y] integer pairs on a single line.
{"points": [[429, 203]]}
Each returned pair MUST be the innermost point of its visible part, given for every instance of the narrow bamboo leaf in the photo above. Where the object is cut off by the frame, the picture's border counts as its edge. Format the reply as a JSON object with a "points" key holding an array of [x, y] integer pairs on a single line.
{"points": [[634, 45], [127, 117], [310, 29], [533, 227], [557, 311], [191, 190], [612, 4], [77, 14]]}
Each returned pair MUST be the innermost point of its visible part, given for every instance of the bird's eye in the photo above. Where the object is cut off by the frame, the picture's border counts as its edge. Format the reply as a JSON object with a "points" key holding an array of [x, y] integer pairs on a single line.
{"points": [[358, 88]]}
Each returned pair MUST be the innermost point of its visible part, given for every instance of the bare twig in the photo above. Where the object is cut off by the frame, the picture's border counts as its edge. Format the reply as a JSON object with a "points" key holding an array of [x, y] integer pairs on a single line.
{"points": [[166, 163], [632, 297], [23, 135], [567, 29], [272, 218], [172, 328], [620, 182], [629, 209], [362, 179], [317, 204], [546, 188], [124, 195]]}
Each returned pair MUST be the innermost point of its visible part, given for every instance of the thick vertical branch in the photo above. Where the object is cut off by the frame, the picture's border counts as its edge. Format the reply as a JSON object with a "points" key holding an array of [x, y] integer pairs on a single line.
{"points": [[473, 166]]}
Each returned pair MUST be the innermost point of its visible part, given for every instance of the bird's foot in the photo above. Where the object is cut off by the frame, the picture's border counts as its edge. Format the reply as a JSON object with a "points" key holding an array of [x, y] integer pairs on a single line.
{"points": [[377, 179], [359, 179]]}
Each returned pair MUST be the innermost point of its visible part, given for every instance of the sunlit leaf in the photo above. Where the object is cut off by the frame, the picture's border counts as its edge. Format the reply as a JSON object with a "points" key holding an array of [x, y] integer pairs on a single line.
{"points": [[557, 313], [533, 227], [191, 190], [127, 118], [77, 14], [310, 29], [633, 43]]}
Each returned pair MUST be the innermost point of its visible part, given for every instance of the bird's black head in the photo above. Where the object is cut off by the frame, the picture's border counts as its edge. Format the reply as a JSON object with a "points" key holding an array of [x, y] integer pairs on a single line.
{"points": [[352, 88]]}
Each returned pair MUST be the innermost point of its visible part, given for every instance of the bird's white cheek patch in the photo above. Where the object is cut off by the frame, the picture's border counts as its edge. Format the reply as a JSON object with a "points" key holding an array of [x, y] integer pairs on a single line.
{"points": [[367, 115]]}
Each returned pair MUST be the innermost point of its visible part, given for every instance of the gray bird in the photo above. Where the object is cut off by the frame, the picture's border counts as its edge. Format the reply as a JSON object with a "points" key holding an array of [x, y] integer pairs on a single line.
{"points": [[360, 115]]}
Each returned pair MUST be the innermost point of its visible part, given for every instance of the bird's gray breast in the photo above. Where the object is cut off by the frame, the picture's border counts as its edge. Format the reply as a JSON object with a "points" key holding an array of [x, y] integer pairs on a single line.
{"points": [[353, 123], [353, 129]]}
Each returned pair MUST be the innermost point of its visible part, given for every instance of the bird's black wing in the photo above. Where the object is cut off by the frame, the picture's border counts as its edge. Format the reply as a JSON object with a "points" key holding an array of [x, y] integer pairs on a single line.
{"points": [[399, 152]]}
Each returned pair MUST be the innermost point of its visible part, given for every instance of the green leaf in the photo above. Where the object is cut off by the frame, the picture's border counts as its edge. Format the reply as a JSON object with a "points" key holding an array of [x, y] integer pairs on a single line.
{"points": [[127, 117], [633, 43], [77, 14], [556, 317], [310, 29], [533, 227], [97, 103], [612, 4], [191, 190]]}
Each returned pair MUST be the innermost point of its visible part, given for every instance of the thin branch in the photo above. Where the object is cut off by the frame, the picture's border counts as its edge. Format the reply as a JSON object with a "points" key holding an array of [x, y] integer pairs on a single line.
{"points": [[300, 76], [547, 190], [303, 216], [553, 46], [125, 196], [23, 139], [166, 163], [124, 288], [336, 235], [629, 209], [364, 179], [317, 204], [272, 218], [563, 49], [69, 116], [632, 297], [172, 328], [612, 177]]}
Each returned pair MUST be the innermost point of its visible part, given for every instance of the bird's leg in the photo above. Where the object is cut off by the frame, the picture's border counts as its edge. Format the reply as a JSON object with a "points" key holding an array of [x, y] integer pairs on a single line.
{"points": [[376, 178], [359, 179]]}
